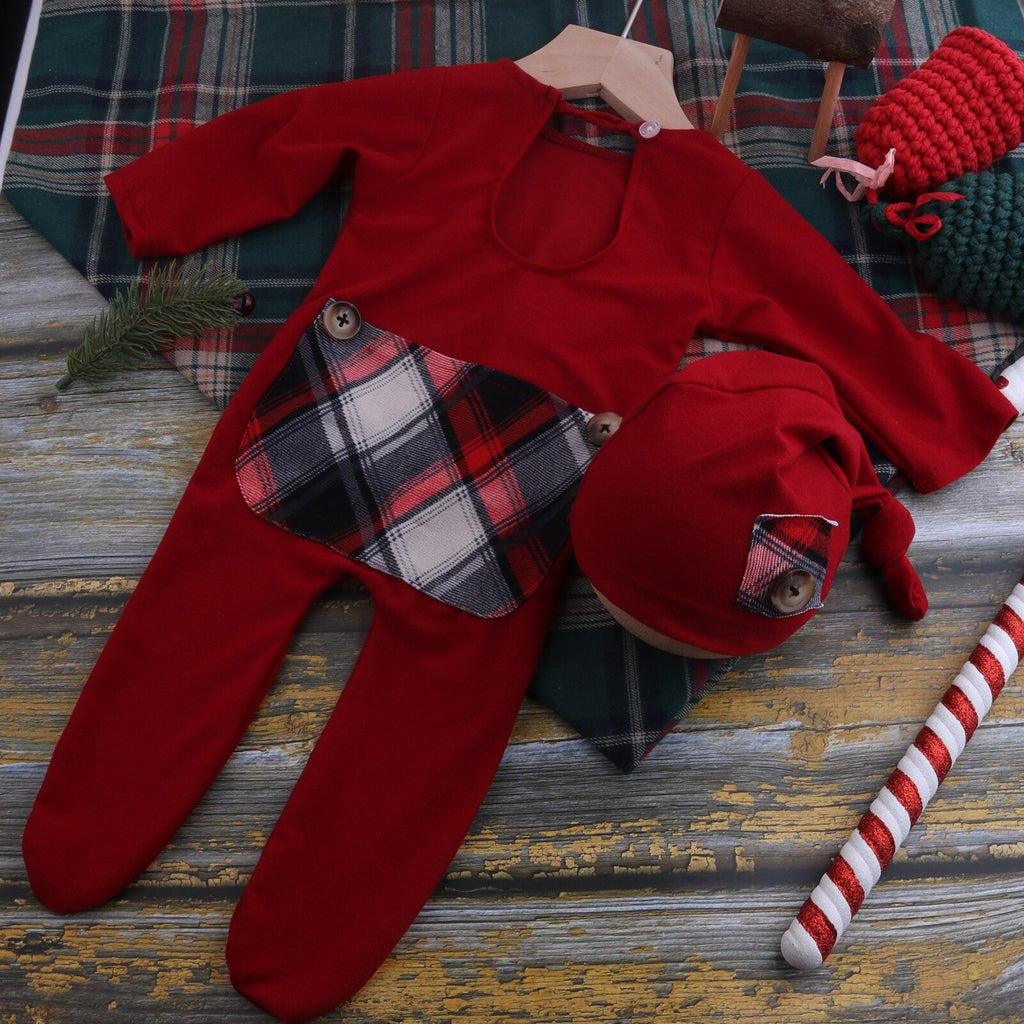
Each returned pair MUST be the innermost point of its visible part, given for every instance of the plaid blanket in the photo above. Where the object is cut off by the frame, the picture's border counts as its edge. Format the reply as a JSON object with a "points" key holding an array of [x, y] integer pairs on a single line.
{"points": [[111, 79]]}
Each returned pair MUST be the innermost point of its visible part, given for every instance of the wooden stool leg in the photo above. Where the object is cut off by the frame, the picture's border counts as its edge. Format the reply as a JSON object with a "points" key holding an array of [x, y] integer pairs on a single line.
{"points": [[740, 47], [826, 109]]}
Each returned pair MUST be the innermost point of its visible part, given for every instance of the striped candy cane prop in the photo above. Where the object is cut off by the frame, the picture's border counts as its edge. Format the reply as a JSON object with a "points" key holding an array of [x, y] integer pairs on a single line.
{"points": [[882, 830]]}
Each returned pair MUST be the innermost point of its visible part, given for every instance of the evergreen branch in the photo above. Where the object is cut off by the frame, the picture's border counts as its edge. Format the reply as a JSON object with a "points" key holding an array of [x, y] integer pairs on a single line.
{"points": [[142, 321]]}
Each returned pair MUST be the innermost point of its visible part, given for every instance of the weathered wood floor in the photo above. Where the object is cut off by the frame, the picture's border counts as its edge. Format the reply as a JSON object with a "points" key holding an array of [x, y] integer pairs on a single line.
{"points": [[580, 895]]}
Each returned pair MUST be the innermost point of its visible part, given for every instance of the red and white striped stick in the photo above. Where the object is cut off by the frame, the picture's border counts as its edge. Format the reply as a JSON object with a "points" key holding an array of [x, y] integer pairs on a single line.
{"points": [[882, 830]]}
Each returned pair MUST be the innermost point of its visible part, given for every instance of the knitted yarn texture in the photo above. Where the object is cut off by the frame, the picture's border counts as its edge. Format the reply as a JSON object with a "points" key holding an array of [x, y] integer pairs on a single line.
{"points": [[970, 249], [960, 111]]}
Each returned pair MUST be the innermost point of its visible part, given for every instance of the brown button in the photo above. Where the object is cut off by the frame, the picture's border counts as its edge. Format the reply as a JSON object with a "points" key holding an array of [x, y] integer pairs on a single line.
{"points": [[243, 303], [601, 426], [341, 320], [792, 592]]}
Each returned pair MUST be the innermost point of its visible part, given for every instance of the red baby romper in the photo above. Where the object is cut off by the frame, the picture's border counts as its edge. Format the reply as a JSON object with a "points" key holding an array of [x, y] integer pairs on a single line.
{"points": [[482, 233]]}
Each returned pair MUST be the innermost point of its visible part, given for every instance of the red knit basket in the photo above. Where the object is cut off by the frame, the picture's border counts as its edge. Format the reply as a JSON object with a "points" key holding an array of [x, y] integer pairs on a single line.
{"points": [[960, 111]]}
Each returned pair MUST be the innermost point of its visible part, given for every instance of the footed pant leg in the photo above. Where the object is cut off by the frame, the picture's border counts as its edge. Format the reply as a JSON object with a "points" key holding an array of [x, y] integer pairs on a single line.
{"points": [[385, 799], [185, 668]]}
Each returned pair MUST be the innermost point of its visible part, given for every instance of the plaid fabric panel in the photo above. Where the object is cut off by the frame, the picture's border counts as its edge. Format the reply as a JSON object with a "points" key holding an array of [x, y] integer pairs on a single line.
{"points": [[779, 544], [110, 79], [656, 691], [448, 475]]}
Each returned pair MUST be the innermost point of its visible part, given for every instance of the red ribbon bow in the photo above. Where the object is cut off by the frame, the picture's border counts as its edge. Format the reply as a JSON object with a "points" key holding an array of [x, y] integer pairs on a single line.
{"points": [[920, 226]]}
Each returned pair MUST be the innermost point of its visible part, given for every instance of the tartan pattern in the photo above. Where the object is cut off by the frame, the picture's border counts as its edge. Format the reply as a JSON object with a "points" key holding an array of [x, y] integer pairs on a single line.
{"points": [[448, 475], [110, 79], [654, 691], [145, 71], [780, 544]]}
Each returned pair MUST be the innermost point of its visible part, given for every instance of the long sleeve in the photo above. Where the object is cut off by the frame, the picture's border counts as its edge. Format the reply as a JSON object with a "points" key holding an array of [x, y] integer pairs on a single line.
{"points": [[777, 283], [260, 163]]}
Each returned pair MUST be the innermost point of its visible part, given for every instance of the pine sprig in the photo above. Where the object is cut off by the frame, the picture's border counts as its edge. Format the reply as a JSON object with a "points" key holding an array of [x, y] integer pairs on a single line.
{"points": [[175, 303]]}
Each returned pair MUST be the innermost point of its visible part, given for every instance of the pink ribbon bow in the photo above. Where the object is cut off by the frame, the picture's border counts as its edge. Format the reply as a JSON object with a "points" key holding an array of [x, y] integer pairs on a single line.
{"points": [[867, 178]]}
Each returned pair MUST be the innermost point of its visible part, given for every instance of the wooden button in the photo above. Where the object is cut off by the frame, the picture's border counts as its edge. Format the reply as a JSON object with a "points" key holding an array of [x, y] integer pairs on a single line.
{"points": [[601, 426], [341, 320], [792, 592]]}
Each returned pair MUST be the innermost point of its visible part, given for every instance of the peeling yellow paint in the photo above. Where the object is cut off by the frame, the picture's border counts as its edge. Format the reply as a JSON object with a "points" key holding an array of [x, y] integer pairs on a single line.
{"points": [[496, 980], [52, 982], [174, 977], [1007, 850], [731, 793], [1015, 450], [73, 586], [743, 862], [694, 990]]}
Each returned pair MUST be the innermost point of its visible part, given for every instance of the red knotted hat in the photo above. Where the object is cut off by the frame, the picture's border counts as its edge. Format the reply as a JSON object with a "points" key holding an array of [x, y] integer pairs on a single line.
{"points": [[958, 113], [717, 514]]}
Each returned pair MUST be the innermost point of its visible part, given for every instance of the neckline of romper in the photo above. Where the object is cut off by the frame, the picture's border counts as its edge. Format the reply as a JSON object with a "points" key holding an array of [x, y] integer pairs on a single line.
{"points": [[549, 104]]}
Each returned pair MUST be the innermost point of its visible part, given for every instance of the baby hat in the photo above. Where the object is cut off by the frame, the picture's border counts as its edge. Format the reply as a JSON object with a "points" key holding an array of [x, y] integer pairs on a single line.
{"points": [[718, 512], [968, 237], [959, 112]]}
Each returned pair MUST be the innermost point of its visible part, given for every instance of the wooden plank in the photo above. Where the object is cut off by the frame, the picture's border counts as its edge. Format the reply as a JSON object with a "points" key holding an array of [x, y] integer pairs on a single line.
{"points": [[659, 958]]}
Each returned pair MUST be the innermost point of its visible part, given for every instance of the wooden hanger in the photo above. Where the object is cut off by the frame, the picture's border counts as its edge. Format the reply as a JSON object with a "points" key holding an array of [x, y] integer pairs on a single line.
{"points": [[633, 78]]}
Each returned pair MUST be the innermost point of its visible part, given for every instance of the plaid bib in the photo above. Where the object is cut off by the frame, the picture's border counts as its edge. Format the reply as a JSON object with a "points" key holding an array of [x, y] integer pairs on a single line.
{"points": [[448, 475]]}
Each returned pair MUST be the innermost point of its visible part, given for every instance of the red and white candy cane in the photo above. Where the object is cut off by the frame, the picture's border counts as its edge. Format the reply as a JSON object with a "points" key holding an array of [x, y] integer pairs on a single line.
{"points": [[882, 830]]}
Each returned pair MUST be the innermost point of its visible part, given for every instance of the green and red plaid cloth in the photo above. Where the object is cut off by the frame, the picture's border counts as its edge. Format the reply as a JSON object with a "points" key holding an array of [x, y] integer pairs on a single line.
{"points": [[110, 79]]}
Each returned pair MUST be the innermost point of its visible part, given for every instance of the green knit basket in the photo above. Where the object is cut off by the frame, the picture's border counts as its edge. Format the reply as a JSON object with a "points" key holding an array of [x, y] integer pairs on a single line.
{"points": [[969, 249]]}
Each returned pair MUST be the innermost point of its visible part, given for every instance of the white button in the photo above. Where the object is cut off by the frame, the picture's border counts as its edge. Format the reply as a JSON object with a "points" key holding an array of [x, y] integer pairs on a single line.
{"points": [[649, 129]]}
